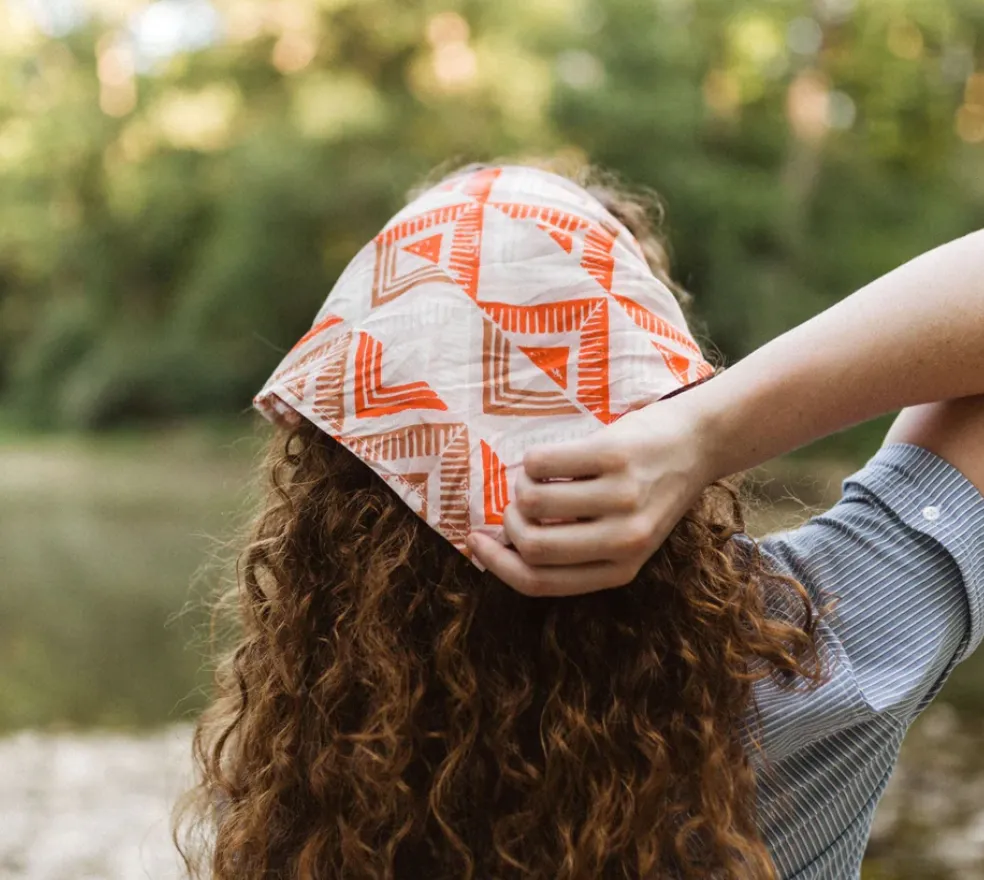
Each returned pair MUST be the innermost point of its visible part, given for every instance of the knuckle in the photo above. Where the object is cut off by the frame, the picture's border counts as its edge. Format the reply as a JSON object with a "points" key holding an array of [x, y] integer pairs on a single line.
{"points": [[527, 499], [531, 548], [635, 536], [533, 462], [519, 538], [615, 458], [627, 497], [624, 575], [532, 586], [514, 523], [526, 582]]}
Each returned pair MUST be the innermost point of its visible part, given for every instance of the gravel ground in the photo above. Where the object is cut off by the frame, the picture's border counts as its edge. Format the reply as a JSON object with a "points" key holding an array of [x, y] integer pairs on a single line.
{"points": [[97, 806], [90, 807]]}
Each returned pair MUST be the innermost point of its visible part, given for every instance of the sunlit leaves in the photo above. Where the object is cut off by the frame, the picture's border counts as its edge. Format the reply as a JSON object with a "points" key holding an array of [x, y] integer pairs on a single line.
{"points": [[205, 200]]}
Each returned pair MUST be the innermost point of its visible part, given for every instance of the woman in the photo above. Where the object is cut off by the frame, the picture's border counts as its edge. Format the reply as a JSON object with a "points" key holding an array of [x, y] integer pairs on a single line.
{"points": [[392, 712]]}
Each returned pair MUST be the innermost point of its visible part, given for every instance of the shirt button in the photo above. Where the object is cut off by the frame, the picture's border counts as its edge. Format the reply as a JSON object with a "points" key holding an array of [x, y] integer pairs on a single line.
{"points": [[931, 513]]}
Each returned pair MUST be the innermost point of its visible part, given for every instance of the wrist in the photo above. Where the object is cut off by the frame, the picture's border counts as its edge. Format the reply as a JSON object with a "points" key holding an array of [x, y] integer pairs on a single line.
{"points": [[713, 414]]}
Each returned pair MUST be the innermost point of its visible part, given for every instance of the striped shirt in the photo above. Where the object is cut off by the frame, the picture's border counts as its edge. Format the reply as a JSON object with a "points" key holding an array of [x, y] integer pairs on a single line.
{"points": [[904, 553]]}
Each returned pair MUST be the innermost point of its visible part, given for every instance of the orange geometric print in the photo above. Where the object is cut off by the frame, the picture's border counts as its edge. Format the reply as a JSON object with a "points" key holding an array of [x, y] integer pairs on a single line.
{"points": [[545, 216], [296, 386], [466, 224], [320, 327], [654, 324], [412, 442], [565, 240], [455, 517], [704, 370], [329, 386], [677, 363], [420, 222], [388, 283], [592, 365], [587, 316], [429, 248], [372, 398], [496, 492], [466, 246], [551, 359], [557, 224], [566, 328], [498, 395], [466, 250], [305, 362], [598, 260], [418, 484], [403, 450], [565, 316], [479, 184]]}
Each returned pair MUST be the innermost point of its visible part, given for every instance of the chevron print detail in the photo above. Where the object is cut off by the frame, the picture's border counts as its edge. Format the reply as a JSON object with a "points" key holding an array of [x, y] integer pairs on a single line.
{"points": [[501, 294], [498, 395], [372, 398]]}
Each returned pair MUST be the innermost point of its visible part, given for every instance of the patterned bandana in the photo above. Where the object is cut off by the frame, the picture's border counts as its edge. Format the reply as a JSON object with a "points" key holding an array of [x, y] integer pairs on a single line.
{"points": [[502, 309]]}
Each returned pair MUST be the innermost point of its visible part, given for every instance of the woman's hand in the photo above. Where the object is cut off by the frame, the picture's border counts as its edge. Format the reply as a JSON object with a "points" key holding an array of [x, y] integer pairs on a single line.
{"points": [[588, 514], [622, 490]]}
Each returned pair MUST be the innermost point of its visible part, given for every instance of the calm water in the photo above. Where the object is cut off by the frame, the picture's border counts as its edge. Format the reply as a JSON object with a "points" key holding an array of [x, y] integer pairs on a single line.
{"points": [[100, 540]]}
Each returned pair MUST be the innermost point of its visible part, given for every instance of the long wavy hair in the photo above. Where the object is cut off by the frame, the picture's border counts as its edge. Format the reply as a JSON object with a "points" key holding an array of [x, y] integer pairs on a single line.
{"points": [[389, 712]]}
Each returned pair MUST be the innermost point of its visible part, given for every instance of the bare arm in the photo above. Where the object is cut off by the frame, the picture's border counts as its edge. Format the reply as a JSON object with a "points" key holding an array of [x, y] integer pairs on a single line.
{"points": [[913, 337], [952, 429]]}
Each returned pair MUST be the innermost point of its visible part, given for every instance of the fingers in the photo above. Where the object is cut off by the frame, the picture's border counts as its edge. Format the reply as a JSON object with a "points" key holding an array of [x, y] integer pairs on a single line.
{"points": [[575, 499], [579, 458], [578, 542], [537, 581]]}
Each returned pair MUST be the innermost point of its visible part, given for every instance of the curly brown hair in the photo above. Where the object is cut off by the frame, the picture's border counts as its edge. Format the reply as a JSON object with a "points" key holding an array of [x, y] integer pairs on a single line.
{"points": [[390, 712]]}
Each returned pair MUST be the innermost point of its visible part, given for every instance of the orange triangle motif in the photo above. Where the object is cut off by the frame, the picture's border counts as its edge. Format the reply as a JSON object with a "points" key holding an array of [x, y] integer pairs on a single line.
{"points": [[429, 248], [562, 238], [297, 386], [678, 364], [552, 360]]}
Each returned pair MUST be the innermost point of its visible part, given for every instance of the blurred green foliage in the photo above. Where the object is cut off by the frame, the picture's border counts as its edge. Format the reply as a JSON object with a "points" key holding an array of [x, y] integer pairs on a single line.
{"points": [[168, 228]]}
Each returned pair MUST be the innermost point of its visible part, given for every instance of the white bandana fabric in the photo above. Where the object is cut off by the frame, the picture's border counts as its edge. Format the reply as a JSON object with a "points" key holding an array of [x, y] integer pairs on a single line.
{"points": [[502, 309]]}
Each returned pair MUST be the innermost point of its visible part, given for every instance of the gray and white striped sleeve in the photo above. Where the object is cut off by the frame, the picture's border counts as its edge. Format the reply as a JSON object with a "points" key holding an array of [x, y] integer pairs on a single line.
{"points": [[903, 553]]}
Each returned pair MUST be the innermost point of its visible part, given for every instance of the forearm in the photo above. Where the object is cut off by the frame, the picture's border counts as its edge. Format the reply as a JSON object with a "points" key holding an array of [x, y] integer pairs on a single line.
{"points": [[913, 336]]}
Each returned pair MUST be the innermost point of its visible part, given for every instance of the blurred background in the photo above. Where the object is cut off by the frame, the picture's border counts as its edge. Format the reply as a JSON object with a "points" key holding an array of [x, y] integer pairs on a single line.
{"points": [[182, 180]]}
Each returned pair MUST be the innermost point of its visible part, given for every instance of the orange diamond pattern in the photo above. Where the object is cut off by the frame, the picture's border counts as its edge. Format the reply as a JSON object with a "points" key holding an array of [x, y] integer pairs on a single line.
{"points": [[502, 308]]}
